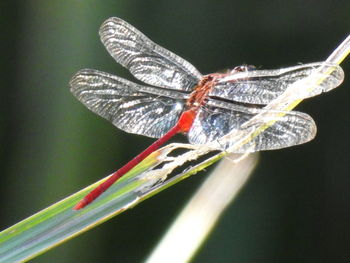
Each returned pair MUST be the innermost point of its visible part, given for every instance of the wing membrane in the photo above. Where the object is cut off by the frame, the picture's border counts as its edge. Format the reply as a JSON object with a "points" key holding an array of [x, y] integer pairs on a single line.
{"points": [[262, 86], [212, 123], [131, 107], [146, 60]]}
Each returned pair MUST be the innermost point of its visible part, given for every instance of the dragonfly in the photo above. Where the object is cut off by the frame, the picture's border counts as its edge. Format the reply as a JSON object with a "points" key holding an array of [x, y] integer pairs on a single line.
{"points": [[177, 98]]}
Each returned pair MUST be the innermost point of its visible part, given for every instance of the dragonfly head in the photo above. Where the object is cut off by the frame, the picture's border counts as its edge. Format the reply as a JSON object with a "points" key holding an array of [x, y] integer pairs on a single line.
{"points": [[242, 68]]}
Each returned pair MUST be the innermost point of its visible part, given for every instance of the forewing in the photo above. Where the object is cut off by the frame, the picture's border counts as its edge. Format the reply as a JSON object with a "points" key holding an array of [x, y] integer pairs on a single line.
{"points": [[263, 86], [212, 123], [146, 60], [131, 107]]}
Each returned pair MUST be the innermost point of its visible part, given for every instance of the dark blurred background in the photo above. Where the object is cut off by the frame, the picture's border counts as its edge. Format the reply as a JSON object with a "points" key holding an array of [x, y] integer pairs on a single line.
{"points": [[295, 207]]}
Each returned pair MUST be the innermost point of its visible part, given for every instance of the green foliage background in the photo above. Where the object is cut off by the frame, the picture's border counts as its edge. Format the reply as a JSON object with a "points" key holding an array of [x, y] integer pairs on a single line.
{"points": [[296, 206]]}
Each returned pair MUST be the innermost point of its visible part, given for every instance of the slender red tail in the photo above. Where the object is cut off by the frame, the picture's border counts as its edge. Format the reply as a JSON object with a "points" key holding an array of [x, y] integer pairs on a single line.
{"points": [[182, 125]]}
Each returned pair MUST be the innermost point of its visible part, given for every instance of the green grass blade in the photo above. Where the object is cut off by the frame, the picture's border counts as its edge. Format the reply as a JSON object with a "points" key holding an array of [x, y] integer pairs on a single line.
{"points": [[59, 222]]}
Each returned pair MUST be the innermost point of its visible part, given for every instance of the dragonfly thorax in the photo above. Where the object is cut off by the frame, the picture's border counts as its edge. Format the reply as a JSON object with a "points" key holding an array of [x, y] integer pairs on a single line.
{"points": [[199, 95]]}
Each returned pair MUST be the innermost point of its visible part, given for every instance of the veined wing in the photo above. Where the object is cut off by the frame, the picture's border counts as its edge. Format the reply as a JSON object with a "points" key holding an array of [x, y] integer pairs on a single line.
{"points": [[146, 60], [131, 107], [213, 122], [262, 86]]}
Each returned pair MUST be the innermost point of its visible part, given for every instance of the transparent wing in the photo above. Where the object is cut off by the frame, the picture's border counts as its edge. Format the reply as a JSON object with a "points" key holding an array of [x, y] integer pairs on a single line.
{"points": [[212, 123], [146, 60], [131, 107], [262, 86]]}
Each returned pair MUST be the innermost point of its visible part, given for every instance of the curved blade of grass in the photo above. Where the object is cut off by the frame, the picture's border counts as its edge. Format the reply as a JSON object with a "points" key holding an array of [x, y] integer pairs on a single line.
{"points": [[59, 222]]}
